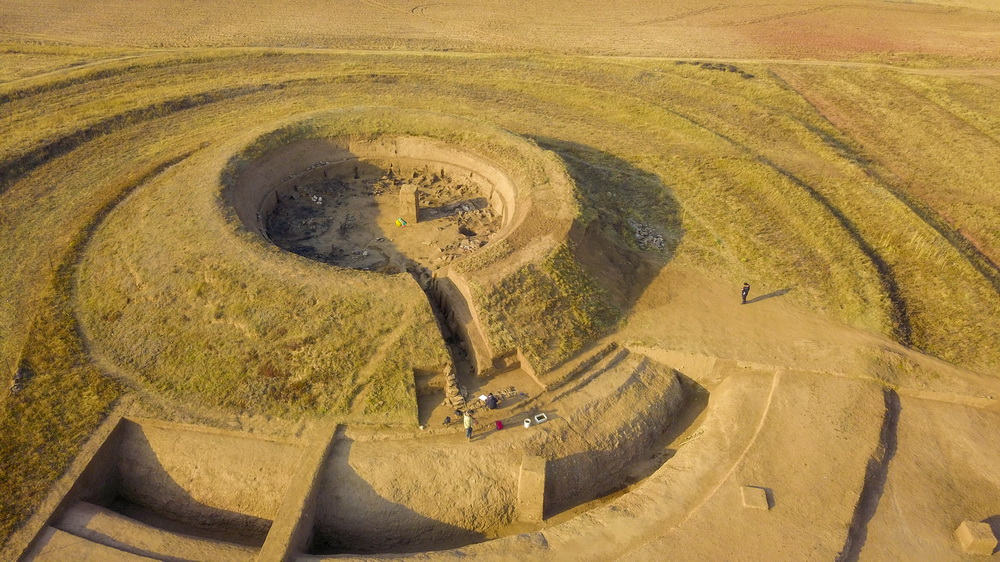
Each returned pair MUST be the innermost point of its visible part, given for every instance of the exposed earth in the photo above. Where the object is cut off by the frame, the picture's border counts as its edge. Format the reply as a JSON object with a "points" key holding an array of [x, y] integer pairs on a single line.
{"points": [[352, 223]]}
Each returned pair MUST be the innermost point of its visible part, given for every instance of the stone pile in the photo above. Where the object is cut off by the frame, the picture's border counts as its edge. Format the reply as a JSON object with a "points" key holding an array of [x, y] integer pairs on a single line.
{"points": [[470, 244], [21, 377], [645, 236], [452, 393]]}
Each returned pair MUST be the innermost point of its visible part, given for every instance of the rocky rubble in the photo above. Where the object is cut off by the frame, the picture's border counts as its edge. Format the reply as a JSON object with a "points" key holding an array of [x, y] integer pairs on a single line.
{"points": [[452, 393], [645, 236], [21, 378]]}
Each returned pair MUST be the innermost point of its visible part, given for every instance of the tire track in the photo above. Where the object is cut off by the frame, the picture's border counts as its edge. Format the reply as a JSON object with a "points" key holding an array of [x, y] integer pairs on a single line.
{"points": [[60, 71], [679, 17], [135, 62], [791, 14]]}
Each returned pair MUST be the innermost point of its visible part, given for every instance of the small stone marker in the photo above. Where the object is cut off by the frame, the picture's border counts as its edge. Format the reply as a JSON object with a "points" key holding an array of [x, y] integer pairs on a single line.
{"points": [[755, 498], [408, 203], [976, 538]]}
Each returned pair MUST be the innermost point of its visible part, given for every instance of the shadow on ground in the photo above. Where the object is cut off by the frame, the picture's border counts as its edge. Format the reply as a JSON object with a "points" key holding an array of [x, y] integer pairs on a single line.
{"points": [[629, 228], [771, 295], [352, 517]]}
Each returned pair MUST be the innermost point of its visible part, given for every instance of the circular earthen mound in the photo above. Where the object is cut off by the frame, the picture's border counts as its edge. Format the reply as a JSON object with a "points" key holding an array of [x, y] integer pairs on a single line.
{"points": [[182, 290]]}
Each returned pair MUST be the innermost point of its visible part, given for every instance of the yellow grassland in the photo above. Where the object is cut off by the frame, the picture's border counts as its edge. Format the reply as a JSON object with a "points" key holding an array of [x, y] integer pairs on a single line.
{"points": [[873, 194]]}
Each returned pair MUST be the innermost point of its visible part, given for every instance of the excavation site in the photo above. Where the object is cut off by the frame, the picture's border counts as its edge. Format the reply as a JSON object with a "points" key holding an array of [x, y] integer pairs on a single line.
{"points": [[515, 281], [336, 221], [424, 216]]}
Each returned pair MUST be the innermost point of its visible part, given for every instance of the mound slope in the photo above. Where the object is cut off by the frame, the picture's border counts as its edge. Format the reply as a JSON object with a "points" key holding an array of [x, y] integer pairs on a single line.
{"points": [[187, 297]]}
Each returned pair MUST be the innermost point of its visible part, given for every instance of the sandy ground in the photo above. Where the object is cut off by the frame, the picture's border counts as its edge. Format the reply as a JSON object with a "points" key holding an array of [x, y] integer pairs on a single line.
{"points": [[798, 407], [843, 464]]}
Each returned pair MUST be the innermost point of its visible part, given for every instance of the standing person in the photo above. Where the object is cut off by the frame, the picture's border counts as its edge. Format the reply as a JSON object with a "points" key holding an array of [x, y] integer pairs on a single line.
{"points": [[746, 291], [468, 421]]}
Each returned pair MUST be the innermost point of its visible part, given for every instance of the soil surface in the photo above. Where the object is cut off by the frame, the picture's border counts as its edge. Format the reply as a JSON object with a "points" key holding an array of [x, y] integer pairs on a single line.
{"points": [[804, 29], [352, 223]]}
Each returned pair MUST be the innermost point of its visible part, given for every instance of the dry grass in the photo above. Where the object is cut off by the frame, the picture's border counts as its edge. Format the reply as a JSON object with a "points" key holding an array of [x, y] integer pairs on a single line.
{"points": [[819, 178], [204, 321], [808, 28], [549, 311], [62, 400], [931, 158]]}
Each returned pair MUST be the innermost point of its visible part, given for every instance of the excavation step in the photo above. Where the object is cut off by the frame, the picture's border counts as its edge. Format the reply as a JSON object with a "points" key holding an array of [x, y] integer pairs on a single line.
{"points": [[531, 489], [58, 546], [577, 367], [115, 530]]}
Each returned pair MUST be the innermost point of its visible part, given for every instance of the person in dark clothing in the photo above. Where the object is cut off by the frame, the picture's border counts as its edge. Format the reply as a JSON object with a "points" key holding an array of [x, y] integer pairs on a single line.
{"points": [[491, 401], [746, 291]]}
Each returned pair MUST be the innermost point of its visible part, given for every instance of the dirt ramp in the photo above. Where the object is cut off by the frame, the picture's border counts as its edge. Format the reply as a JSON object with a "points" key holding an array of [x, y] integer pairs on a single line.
{"points": [[170, 492], [633, 403], [103, 526]]}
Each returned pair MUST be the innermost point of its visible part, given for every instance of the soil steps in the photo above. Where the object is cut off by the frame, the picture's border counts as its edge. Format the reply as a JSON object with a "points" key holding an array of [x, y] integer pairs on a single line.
{"points": [[599, 375], [108, 529], [57, 545], [576, 368]]}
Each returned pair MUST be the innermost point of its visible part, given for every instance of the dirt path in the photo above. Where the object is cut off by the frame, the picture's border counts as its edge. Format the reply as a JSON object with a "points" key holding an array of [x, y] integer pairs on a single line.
{"points": [[775, 380]]}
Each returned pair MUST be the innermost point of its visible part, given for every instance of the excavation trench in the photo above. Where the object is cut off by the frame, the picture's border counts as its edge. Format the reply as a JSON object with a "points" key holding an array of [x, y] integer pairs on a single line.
{"points": [[174, 491]]}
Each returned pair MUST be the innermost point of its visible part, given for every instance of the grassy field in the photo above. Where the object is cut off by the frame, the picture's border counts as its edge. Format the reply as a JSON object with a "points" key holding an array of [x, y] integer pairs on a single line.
{"points": [[911, 32], [873, 192]]}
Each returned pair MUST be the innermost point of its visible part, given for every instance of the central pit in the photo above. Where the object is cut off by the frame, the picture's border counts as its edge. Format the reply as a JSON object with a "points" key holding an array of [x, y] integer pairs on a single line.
{"points": [[391, 205], [384, 220]]}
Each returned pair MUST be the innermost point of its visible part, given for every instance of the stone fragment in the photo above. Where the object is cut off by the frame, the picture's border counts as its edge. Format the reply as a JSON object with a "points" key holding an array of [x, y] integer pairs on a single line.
{"points": [[976, 538], [755, 497]]}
